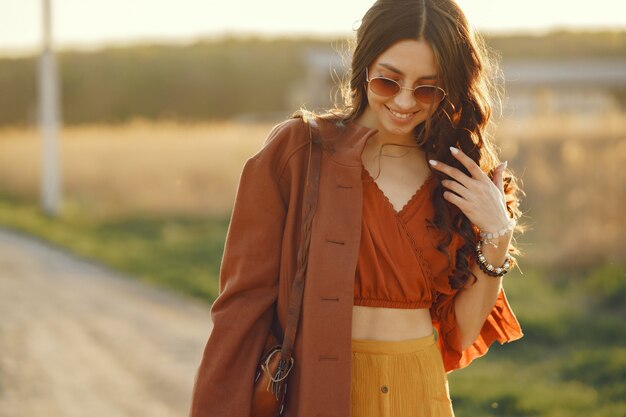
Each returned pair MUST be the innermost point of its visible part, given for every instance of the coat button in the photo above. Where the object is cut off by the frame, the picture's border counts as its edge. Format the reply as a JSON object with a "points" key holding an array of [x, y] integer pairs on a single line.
{"points": [[384, 389]]}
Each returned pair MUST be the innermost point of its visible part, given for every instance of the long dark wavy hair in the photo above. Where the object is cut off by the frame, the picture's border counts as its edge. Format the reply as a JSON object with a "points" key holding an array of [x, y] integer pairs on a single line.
{"points": [[467, 70]]}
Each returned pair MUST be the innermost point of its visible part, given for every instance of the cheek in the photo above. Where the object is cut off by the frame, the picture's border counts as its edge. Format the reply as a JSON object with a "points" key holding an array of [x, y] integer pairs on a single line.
{"points": [[378, 104], [430, 110], [373, 99]]}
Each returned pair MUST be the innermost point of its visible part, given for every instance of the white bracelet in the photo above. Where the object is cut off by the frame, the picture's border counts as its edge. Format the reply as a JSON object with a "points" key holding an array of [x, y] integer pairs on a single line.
{"points": [[509, 227]]}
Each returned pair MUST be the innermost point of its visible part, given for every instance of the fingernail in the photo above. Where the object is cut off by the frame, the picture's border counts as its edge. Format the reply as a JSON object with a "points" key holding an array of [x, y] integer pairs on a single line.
{"points": [[454, 150], [432, 162], [504, 167]]}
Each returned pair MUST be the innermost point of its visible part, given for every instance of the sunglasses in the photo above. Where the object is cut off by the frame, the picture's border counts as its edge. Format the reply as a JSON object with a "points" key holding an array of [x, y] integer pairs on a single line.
{"points": [[387, 87]]}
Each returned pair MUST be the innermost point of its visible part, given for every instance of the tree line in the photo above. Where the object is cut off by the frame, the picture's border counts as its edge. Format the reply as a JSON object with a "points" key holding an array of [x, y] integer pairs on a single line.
{"points": [[218, 79]]}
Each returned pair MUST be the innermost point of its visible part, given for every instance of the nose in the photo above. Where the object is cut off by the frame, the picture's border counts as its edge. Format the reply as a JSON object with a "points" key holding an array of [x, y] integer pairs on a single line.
{"points": [[405, 100]]}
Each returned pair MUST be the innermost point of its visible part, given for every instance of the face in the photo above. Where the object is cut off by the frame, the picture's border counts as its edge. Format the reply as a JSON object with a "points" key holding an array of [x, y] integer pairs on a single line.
{"points": [[411, 63]]}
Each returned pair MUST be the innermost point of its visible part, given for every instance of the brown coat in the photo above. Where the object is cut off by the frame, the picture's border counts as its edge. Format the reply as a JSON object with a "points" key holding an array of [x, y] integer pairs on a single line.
{"points": [[259, 262]]}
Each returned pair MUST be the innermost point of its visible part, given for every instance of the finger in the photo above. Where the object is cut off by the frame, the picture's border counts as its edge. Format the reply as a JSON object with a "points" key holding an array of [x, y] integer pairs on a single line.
{"points": [[456, 187], [454, 199], [468, 163], [452, 172], [499, 177]]}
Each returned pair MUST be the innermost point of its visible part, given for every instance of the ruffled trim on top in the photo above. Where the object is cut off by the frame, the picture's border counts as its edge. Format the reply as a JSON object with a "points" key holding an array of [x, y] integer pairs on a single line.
{"points": [[501, 325]]}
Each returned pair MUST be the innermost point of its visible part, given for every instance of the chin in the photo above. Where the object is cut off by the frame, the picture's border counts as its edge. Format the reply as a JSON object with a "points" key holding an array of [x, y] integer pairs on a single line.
{"points": [[394, 129]]}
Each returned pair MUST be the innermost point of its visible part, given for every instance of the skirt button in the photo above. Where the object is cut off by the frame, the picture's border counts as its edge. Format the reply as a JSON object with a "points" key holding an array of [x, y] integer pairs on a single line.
{"points": [[384, 389]]}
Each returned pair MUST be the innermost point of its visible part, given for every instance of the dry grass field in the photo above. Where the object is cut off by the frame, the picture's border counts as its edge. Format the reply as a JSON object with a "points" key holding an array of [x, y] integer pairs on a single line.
{"points": [[145, 167], [571, 168]]}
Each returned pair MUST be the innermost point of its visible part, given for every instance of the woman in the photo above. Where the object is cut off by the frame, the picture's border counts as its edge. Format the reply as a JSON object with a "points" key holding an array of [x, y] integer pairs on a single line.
{"points": [[409, 185]]}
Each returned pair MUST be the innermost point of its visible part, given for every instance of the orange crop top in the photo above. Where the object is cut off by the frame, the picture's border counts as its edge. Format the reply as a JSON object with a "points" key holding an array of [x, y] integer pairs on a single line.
{"points": [[399, 266]]}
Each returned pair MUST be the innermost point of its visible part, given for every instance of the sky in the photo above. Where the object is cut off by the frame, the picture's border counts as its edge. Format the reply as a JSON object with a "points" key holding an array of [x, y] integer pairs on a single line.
{"points": [[90, 24]]}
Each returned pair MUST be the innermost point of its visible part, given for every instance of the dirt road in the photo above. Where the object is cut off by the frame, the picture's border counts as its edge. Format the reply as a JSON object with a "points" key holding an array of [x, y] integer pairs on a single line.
{"points": [[79, 340]]}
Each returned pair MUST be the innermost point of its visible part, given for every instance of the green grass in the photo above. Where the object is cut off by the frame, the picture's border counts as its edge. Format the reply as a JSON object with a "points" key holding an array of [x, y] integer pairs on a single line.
{"points": [[182, 254], [571, 361]]}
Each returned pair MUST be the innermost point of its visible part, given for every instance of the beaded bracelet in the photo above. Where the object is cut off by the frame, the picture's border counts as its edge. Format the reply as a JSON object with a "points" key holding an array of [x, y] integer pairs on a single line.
{"points": [[489, 269]]}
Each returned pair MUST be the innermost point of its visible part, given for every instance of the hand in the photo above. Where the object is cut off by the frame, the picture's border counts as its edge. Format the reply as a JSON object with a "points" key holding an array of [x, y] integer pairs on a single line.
{"points": [[481, 199]]}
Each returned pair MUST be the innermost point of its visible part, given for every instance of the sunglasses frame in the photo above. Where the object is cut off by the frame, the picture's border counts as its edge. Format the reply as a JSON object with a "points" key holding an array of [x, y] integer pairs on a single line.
{"points": [[368, 80]]}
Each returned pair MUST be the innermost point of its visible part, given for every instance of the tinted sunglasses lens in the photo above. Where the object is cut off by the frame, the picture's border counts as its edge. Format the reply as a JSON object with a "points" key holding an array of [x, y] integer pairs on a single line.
{"points": [[428, 94], [384, 87]]}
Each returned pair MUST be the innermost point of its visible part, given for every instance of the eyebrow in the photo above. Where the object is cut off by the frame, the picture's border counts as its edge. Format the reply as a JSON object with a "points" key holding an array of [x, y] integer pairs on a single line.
{"points": [[397, 71]]}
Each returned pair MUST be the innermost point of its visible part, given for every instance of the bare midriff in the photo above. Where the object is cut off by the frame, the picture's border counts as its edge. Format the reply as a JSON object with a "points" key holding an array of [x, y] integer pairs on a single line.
{"points": [[390, 324]]}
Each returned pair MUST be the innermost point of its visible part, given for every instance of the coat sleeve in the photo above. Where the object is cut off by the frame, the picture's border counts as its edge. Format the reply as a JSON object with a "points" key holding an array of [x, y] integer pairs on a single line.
{"points": [[243, 311]]}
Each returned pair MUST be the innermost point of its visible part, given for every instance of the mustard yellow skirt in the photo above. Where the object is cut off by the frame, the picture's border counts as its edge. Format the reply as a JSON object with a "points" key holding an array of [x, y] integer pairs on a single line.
{"points": [[399, 379]]}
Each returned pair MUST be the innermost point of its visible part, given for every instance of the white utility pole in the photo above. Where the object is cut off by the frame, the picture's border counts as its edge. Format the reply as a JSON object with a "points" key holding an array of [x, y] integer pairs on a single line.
{"points": [[49, 119]]}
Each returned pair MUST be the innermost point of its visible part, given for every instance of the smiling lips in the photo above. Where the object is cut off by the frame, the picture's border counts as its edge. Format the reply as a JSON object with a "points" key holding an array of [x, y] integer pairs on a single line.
{"points": [[401, 116]]}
